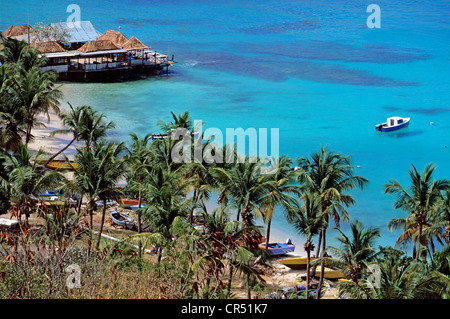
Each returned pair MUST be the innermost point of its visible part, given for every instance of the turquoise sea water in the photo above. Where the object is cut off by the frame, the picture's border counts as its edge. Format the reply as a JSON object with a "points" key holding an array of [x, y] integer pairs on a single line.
{"points": [[313, 69]]}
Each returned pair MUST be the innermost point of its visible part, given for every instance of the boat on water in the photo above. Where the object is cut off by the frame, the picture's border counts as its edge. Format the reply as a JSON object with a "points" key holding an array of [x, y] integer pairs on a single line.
{"points": [[275, 249], [393, 123], [122, 219]]}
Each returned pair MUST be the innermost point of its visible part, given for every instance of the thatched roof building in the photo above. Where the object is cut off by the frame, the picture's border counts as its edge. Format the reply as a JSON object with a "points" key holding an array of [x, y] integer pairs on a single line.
{"points": [[16, 30], [134, 44], [115, 37], [48, 47], [98, 45]]}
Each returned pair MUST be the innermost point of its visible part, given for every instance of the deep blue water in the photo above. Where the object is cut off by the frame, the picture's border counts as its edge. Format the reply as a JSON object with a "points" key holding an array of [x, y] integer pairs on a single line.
{"points": [[313, 69]]}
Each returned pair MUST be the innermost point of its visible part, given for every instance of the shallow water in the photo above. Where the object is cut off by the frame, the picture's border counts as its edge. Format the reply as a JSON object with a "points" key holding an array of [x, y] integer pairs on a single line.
{"points": [[312, 69]]}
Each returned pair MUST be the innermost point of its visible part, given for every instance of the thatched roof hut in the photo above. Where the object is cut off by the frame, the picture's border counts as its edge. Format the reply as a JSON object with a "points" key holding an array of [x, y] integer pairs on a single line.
{"points": [[134, 44], [115, 37], [98, 45], [48, 47], [16, 30]]}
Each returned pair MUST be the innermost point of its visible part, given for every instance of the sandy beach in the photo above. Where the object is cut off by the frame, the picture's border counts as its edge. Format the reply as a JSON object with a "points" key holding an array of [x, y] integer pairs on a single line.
{"points": [[51, 145]]}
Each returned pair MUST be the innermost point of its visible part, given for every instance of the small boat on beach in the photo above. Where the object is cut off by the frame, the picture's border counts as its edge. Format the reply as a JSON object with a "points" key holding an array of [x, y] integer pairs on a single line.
{"points": [[296, 262], [393, 123], [109, 202], [61, 165], [8, 223], [121, 219], [330, 273], [134, 207], [275, 249], [126, 202]]}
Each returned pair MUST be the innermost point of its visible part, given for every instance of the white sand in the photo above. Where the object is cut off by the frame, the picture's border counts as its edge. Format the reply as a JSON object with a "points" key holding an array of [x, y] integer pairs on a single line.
{"points": [[51, 145]]}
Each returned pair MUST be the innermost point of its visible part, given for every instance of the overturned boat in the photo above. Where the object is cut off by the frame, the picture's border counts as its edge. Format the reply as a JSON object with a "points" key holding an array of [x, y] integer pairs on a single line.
{"points": [[122, 219]]}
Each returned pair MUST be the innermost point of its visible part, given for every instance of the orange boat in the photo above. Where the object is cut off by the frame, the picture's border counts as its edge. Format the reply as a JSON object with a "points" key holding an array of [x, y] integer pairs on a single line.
{"points": [[129, 202]]}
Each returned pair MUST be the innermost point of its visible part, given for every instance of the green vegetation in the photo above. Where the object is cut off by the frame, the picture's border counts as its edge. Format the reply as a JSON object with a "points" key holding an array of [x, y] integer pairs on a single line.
{"points": [[196, 252]]}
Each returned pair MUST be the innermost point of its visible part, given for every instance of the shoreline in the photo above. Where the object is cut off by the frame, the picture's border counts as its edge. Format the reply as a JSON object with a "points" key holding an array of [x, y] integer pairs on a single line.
{"points": [[50, 145]]}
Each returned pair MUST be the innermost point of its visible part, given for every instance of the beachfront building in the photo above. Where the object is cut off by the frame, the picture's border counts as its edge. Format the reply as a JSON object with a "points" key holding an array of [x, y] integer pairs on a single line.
{"points": [[81, 53]]}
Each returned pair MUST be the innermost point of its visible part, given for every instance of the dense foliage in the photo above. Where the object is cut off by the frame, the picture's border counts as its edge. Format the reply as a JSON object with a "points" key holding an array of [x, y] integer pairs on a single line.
{"points": [[198, 252]]}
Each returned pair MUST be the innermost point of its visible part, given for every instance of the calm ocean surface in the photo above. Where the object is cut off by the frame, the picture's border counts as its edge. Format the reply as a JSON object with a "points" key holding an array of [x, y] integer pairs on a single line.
{"points": [[313, 69]]}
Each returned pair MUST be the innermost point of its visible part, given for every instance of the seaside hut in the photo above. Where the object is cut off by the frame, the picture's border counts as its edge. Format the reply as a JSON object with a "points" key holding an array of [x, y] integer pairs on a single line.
{"points": [[17, 30], [115, 37], [133, 44], [99, 55], [48, 46], [140, 53], [98, 45], [58, 57]]}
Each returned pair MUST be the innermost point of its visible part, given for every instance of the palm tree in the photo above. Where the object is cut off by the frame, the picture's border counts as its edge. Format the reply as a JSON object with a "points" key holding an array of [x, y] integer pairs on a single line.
{"points": [[397, 277], [138, 159], [280, 194], [330, 175], [225, 236], [419, 200], [165, 194], [110, 170], [309, 220], [179, 121], [84, 124], [245, 185], [25, 179], [92, 127], [11, 115], [442, 222], [97, 172], [34, 93], [12, 50], [356, 250]]}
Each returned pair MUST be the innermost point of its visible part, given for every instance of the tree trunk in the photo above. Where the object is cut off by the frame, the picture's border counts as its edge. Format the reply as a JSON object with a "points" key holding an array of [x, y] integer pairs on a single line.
{"points": [[91, 226], [267, 240], [322, 264], [159, 254], [54, 156], [308, 266], [419, 241], [249, 291], [313, 270], [27, 134], [79, 204], [101, 225], [139, 223], [191, 216], [229, 280]]}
